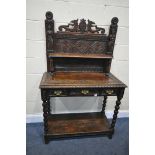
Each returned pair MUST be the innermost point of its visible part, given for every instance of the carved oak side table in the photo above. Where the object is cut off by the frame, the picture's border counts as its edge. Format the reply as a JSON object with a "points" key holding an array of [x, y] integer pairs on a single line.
{"points": [[79, 57]]}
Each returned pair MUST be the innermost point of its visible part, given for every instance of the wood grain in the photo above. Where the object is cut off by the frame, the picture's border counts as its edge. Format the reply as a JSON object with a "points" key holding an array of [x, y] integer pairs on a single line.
{"points": [[74, 124], [79, 55], [79, 79]]}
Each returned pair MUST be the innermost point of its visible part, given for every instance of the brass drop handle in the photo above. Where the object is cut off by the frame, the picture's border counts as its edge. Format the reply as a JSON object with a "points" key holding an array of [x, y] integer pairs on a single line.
{"points": [[85, 92], [57, 92], [109, 92]]}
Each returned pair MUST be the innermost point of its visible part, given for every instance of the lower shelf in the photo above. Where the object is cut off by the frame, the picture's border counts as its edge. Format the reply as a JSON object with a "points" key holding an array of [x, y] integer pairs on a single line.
{"points": [[68, 125]]}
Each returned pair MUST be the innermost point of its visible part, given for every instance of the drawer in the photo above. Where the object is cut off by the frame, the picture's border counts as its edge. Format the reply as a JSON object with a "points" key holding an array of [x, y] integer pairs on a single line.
{"points": [[84, 92], [109, 91], [58, 92]]}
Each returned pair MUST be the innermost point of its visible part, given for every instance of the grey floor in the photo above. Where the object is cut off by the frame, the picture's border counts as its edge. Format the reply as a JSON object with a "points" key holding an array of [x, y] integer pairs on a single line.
{"points": [[118, 145]]}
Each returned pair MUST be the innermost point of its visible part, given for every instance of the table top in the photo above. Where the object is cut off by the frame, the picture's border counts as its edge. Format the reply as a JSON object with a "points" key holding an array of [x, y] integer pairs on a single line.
{"points": [[79, 80]]}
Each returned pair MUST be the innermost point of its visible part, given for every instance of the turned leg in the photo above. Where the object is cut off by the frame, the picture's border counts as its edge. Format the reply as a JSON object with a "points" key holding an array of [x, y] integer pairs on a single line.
{"points": [[46, 112], [117, 106], [46, 140], [48, 104], [114, 117], [110, 136], [45, 116], [104, 104]]}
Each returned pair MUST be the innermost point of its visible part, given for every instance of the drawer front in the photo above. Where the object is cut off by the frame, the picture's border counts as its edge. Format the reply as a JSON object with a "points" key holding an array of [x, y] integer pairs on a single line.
{"points": [[109, 92], [58, 92], [83, 92]]}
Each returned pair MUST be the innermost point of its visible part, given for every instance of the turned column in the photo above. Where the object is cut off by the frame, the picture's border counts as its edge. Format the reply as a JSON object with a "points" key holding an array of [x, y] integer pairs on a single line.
{"points": [[117, 106], [45, 116], [46, 111], [104, 104], [48, 105]]}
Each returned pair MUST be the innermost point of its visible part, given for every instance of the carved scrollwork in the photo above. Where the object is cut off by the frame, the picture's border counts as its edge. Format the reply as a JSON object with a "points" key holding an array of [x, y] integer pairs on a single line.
{"points": [[81, 26], [72, 26], [91, 24]]}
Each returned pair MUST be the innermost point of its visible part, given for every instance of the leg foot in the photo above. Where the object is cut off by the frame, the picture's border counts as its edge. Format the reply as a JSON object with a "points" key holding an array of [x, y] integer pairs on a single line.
{"points": [[46, 140], [110, 136]]}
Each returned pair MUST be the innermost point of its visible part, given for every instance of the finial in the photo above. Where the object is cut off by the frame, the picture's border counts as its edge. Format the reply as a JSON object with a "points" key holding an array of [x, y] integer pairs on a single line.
{"points": [[49, 15], [114, 20]]}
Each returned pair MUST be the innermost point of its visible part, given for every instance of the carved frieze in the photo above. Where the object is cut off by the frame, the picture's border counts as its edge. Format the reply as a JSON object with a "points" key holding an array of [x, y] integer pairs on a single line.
{"points": [[80, 46]]}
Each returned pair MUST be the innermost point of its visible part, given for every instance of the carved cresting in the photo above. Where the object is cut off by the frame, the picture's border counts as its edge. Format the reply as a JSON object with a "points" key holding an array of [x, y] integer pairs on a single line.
{"points": [[82, 26], [73, 24], [112, 34]]}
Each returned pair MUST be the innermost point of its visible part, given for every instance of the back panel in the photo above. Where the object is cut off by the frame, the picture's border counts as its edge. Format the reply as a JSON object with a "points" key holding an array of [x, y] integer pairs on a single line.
{"points": [[80, 46], [78, 64]]}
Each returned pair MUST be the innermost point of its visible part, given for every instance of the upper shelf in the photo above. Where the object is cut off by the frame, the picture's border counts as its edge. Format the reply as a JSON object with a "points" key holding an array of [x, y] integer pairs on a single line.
{"points": [[78, 55]]}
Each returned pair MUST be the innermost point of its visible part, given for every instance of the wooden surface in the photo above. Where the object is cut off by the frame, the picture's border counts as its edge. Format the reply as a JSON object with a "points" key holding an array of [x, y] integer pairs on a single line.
{"points": [[77, 124], [78, 55], [79, 79]]}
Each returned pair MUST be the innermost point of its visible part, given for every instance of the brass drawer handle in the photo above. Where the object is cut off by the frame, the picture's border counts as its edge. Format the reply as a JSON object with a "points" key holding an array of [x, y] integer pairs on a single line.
{"points": [[85, 92], [109, 92], [57, 92]]}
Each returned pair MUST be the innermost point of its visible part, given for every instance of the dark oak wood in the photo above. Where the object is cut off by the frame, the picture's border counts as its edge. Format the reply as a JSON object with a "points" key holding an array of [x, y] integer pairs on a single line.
{"points": [[79, 57], [77, 124], [80, 80], [117, 106], [82, 27], [104, 104]]}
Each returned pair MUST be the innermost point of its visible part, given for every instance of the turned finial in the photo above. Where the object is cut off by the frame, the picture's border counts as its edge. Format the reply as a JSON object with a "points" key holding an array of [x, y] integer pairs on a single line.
{"points": [[114, 20], [49, 15]]}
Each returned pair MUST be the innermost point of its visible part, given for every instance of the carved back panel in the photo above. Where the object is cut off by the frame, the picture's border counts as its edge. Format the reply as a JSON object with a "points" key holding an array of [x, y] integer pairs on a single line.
{"points": [[80, 46], [79, 37]]}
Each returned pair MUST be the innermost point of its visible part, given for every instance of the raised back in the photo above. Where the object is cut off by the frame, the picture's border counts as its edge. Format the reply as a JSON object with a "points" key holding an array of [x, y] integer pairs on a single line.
{"points": [[79, 46]]}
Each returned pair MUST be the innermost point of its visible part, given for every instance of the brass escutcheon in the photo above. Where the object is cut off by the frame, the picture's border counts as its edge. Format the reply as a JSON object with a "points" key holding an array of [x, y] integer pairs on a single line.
{"points": [[109, 92], [85, 92], [57, 92]]}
